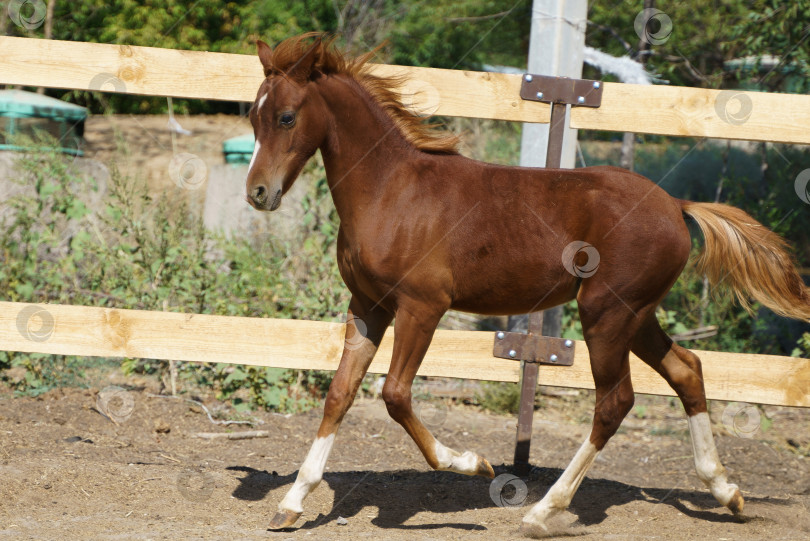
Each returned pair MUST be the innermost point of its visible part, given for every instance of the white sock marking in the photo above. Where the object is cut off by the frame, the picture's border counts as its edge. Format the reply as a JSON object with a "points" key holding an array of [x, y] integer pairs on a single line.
{"points": [[707, 462], [559, 496], [451, 460], [309, 475]]}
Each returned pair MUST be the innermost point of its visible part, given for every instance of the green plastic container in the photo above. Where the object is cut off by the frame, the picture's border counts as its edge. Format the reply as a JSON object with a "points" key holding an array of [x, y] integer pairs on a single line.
{"points": [[27, 113], [239, 150]]}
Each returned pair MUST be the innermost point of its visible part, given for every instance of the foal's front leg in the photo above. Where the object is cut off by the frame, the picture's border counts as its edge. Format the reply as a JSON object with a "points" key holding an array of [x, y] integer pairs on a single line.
{"points": [[364, 331], [413, 331]]}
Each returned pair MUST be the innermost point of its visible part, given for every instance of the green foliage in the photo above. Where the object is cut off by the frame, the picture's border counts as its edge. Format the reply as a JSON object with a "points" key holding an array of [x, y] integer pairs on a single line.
{"points": [[269, 388], [35, 238], [148, 254], [777, 29], [707, 35], [686, 307], [693, 54], [463, 35], [32, 374], [571, 326], [668, 319], [499, 397], [803, 349]]}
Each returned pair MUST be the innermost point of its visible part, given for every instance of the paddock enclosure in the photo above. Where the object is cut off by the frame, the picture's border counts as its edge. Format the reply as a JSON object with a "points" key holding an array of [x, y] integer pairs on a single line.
{"points": [[202, 338], [664, 110]]}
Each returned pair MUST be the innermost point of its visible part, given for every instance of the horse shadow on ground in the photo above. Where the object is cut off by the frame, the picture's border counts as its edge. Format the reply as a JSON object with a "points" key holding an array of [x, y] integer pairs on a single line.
{"points": [[402, 494]]}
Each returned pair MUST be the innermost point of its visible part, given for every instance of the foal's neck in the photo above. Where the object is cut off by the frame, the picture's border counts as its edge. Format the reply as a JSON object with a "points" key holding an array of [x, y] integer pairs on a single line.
{"points": [[363, 145]]}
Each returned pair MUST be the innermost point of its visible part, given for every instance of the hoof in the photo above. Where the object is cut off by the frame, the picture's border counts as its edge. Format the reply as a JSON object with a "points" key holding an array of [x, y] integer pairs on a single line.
{"points": [[283, 519], [484, 469], [737, 503], [533, 530]]}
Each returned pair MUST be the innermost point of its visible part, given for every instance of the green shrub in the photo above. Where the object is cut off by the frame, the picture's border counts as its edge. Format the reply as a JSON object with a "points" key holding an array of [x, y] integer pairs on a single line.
{"points": [[803, 349], [141, 253], [499, 397]]}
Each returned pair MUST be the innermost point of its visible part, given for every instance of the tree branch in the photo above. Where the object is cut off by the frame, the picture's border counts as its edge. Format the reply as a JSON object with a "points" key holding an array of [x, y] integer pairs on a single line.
{"points": [[478, 18]]}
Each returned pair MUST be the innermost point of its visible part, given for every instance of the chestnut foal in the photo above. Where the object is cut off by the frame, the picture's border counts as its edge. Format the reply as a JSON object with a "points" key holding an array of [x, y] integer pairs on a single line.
{"points": [[424, 229]]}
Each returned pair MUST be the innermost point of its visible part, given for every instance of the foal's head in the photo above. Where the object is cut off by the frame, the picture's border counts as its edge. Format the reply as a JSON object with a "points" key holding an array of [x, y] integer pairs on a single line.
{"points": [[289, 120]]}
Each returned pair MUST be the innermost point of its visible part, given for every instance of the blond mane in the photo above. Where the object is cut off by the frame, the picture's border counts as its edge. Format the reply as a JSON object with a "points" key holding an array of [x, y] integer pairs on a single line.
{"points": [[386, 91]]}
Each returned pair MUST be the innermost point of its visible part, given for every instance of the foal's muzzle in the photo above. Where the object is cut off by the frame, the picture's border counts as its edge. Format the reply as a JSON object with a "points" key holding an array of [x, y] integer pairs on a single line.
{"points": [[260, 198]]}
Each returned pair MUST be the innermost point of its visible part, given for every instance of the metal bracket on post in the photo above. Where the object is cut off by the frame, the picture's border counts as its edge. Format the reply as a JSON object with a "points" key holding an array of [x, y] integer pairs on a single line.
{"points": [[559, 92], [532, 348]]}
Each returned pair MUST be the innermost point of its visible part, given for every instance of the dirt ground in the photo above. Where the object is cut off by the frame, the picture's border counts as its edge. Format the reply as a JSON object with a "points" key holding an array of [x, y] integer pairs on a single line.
{"points": [[68, 472], [142, 146]]}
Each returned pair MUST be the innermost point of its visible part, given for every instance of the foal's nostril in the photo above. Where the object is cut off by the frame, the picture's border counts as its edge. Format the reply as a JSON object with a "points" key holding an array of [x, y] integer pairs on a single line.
{"points": [[259, 195]]}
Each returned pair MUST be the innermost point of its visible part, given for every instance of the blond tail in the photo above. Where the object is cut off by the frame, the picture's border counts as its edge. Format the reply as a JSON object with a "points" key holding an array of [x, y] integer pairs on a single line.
{"points": [[750, 259]]}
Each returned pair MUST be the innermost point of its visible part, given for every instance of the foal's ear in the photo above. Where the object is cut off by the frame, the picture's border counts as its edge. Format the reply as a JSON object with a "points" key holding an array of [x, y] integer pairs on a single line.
{"points": [[303, 70], [265, 56]]}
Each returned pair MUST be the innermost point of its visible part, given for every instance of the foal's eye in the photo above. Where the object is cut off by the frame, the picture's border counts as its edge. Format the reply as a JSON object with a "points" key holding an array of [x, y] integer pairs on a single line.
{"points": [[287, 119]]}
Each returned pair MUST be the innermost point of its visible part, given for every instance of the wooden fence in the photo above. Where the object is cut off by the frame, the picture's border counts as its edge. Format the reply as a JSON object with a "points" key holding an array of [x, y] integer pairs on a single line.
{"points": [[74, 330]]}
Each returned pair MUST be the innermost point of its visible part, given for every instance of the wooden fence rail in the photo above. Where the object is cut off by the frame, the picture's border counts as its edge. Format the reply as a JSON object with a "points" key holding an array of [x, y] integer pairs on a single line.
{"points": [[289, 343], [664, 110]]}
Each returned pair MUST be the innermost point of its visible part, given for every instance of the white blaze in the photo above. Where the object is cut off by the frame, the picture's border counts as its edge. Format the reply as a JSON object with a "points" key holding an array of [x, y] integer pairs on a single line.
{"points": [[258, 145], [255, 153]]}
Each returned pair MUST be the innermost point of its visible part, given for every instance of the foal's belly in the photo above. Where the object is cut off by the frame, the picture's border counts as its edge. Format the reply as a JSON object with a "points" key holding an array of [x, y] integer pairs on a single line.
{"points": [[513, 290], [492, 306]]}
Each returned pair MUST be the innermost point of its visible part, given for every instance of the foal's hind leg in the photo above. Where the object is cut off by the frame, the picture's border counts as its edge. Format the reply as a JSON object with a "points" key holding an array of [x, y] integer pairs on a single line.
{"points": [[682, 370], [358, 351], [606, 333]]}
